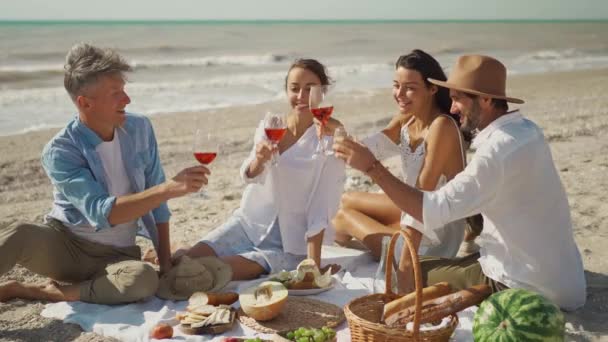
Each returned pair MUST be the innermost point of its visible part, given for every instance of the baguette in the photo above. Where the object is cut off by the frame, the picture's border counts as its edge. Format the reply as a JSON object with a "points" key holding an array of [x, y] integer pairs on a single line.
{"points": [[215, 299], [436, 309], [430, 292]]}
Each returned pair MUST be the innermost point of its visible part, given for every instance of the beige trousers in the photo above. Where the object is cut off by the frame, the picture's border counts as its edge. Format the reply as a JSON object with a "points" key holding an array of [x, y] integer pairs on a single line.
{"points": [[106, 274], [460, 273]]}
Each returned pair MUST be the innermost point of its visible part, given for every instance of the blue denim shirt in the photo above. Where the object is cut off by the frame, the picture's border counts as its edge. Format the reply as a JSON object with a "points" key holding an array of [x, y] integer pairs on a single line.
{"points": [[80, 189]]}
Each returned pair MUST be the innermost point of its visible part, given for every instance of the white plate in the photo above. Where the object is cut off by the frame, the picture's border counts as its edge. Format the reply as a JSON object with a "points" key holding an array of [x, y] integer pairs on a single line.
{"points": [[308, 292]]}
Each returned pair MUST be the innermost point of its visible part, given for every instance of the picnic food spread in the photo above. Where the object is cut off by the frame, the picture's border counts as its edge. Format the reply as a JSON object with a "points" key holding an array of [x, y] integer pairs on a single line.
{"points": [[204, 298], [202, 317], [430, 292], [268, 307], [265, 301], [518, 315], [161, 331], [435, 309], [305, 276], [303, 334]]}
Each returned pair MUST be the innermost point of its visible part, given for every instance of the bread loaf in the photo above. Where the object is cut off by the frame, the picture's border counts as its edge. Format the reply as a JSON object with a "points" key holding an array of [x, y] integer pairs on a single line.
{"points": [[204, 298], [430, 292], [435, 309]]}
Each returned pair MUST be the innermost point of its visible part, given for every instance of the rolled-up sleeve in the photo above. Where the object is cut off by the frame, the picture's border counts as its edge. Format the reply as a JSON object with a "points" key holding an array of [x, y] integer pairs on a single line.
{"points": [[155, 174], [71, 176], [258, 136], [464, 195]]}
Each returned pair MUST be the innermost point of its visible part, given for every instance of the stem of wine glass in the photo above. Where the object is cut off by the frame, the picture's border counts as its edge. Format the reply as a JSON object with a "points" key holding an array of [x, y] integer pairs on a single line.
{"points": [[274, 160], [321, 140]]}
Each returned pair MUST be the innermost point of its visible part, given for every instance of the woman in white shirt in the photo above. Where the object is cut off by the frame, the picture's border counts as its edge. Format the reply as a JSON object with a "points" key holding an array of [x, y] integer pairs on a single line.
{"points": [[286, 209], [432, 150]]}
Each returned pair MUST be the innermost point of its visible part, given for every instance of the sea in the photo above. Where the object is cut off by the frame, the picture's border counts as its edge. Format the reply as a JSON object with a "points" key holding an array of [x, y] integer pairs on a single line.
{"points": [[196, 65]]}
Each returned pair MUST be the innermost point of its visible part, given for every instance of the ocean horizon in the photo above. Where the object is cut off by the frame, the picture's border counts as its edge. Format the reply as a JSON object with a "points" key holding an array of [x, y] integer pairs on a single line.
{"points": [[193, 65], [289, 21]]}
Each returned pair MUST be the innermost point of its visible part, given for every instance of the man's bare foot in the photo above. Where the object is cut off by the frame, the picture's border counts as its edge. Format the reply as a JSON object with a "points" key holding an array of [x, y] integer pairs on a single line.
{"points": [[51, 292], [59, 293]]}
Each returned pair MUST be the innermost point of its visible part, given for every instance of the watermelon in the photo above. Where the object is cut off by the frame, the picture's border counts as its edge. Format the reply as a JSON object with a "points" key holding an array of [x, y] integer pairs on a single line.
{"points": [[518, 315]]}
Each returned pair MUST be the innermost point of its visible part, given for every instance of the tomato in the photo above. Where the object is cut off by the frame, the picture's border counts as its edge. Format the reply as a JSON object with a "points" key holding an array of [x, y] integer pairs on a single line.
{"points": [[161, 331]]}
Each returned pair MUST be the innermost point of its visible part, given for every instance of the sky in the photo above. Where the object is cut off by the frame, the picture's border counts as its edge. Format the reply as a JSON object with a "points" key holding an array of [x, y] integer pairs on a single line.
{"points": [[306, 9]]}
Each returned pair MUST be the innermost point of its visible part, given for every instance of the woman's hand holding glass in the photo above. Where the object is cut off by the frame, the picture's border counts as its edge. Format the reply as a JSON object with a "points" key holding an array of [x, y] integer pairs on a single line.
{"points": [[340, 134], [354, 153], [264, 151]]}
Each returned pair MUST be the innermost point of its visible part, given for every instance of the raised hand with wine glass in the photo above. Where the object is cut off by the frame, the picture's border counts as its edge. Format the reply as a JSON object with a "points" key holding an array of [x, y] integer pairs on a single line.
{"points": [[205, 148]]}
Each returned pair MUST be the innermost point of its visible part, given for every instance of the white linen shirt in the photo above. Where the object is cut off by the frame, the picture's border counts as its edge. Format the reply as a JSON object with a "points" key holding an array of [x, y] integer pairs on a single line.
{"points": [[527, 239], [277, 193]]}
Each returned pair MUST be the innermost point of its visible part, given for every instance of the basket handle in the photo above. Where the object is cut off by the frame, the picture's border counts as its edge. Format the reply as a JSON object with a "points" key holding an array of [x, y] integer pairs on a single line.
{"points": [[417, 275]]}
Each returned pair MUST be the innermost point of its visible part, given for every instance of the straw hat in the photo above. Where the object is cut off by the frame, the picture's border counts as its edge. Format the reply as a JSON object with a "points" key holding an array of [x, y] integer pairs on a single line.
{"points": [[478, 75], [208, 274]]}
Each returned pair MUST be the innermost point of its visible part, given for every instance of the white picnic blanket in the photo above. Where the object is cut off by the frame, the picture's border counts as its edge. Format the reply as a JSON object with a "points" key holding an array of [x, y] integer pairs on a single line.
{"points": [[133, 322]]}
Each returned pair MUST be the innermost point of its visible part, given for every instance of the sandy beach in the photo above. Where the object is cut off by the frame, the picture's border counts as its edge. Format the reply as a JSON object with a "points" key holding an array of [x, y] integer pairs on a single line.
{"points": [[571, 107]]}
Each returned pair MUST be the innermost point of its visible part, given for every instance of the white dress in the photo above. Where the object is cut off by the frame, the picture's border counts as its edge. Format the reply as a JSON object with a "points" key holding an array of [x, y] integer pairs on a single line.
{"points": [[450, 235]]}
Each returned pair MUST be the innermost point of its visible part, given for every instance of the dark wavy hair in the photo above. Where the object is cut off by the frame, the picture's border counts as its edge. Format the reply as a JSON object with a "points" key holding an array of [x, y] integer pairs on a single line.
{"points": [[428, 67], [313, 66]]}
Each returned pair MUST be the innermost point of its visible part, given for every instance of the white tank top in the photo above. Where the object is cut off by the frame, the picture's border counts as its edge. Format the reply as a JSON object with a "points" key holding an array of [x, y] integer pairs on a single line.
{"points": [[450, 235]]}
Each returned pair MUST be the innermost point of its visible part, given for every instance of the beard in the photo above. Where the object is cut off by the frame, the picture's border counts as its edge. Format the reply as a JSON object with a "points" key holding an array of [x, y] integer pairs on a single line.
{"points": [[471, 118]]}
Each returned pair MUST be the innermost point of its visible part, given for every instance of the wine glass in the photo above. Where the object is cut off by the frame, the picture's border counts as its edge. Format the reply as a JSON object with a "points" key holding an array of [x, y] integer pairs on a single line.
{"points": [[321, 109], [275, 126], [340, 133], [205, 148]]}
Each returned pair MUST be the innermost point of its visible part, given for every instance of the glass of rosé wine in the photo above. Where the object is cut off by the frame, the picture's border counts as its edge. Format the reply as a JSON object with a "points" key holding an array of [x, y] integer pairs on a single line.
{"points": [[275, 126], [321, 108], [204, 148]]}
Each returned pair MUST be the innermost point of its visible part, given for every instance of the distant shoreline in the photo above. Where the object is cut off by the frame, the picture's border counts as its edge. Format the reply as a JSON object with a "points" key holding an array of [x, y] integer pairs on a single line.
{"points": [[373, 91], [296, 21]]}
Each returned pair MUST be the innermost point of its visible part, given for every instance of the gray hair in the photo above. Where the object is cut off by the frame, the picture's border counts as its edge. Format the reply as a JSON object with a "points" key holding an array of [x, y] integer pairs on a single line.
{"points": [[85, 63]]}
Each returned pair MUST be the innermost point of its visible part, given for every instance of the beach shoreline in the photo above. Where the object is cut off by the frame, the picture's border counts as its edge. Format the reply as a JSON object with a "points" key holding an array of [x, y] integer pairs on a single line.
{"points": [[571, 108]]}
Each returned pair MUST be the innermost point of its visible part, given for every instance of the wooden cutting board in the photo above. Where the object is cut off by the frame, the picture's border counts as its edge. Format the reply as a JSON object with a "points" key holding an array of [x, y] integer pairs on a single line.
{"points": [[210, 329]]}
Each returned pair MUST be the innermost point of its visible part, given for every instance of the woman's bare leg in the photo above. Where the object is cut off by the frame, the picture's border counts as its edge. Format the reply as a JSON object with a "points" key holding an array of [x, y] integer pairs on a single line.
{"points": [[366, 229], [377, 207]]}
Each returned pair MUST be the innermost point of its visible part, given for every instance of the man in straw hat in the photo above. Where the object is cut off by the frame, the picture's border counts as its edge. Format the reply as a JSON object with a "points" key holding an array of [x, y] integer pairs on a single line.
{"points": [[511, 180], [108, 185]]}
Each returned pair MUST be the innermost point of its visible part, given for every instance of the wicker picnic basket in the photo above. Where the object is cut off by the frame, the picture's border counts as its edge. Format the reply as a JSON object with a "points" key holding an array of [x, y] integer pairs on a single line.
{"points": [[364, 313]]}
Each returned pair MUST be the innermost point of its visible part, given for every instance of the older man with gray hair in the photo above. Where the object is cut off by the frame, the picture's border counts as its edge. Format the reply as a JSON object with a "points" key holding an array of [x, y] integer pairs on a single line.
{"points": [[108, 186]]}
